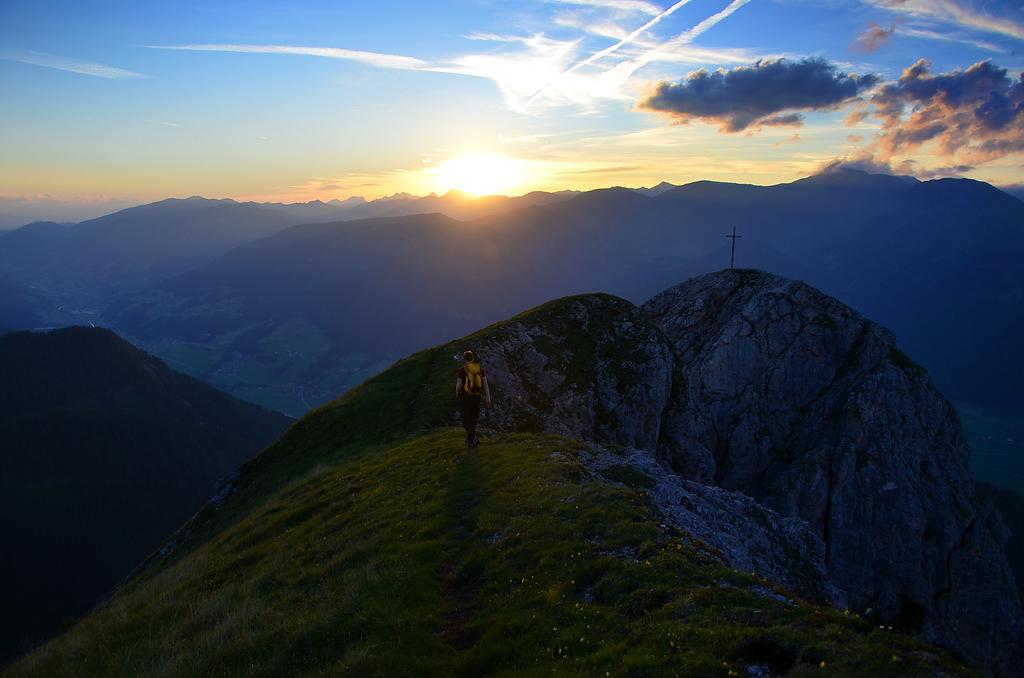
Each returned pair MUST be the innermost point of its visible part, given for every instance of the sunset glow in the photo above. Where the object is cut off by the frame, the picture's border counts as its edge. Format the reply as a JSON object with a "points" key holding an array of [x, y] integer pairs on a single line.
{"points": [[481, 174], [124, 104]]}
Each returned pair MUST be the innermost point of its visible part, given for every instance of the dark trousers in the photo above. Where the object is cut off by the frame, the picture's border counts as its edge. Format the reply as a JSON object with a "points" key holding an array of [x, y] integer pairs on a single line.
{"points": [[470, 406]]}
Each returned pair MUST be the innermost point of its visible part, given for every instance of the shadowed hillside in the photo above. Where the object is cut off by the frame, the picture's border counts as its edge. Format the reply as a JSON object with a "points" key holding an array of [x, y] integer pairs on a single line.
{"points": [[104, 452], [422, 558], [20, 309]]}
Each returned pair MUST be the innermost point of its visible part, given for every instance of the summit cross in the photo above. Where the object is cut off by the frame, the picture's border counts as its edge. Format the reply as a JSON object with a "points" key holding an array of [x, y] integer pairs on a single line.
{"points": [[732, 255]]}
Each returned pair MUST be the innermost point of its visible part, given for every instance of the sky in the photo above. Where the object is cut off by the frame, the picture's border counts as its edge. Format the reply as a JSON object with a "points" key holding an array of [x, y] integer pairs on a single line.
{"points": [[106, 104]]}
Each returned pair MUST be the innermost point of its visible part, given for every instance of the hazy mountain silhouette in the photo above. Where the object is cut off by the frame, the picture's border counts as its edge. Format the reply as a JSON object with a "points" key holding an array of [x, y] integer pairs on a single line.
{"points": [[455, 204], [134, 247], [656, 190], [103, 451], [935, 261]]}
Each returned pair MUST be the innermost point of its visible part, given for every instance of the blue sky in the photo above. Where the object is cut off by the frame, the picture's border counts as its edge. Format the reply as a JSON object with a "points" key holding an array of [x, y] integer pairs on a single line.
{"points": [[110, 103]]}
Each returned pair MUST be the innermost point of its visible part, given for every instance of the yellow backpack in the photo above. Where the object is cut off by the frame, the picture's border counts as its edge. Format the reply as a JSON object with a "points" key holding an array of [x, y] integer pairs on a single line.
{"points": [[474, 381]]}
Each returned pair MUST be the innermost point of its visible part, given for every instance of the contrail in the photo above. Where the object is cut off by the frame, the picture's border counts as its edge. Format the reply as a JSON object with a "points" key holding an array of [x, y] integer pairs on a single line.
{"points": [[371, 58], [379, 59], [628, 68], [708, 23], [629, 38], [608, 50], [65, 64]]}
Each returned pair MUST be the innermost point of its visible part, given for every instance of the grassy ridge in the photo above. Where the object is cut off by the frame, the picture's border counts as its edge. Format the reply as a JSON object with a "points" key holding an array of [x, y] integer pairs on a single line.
{"points": [[416, 394], [423, 558], [368, 541]]}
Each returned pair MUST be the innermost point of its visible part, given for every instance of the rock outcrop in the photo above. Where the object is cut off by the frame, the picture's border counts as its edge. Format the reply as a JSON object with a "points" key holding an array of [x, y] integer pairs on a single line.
{"points": [[744, 534], [589, 367], [768, 388], [796, 400]]}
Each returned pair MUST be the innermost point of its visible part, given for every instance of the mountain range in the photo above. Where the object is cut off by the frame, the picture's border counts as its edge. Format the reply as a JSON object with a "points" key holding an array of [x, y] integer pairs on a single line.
{"points": [[103, 452], [934, 261], [201, 282], [144, 244], [743, 475]]}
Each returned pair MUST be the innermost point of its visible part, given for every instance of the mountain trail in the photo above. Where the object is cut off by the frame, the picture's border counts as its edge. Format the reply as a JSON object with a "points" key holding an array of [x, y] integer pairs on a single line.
{"points": [[462, 579]]}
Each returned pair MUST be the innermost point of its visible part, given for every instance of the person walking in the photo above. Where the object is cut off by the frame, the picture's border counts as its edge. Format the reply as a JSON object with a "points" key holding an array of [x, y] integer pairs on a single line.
{"points": [[470, 386]]}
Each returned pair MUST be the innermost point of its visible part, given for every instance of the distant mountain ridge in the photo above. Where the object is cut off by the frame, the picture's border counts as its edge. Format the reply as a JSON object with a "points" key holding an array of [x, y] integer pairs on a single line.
{"points": [[934, 259], [657, 189], [85, 264], [103, 451], [902, 250], [132, 248]]}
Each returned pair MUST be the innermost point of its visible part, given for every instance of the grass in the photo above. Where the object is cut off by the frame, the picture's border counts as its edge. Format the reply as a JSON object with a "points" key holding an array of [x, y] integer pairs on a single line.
{"points": [[425, 558], [416, 394], [368, 541]]}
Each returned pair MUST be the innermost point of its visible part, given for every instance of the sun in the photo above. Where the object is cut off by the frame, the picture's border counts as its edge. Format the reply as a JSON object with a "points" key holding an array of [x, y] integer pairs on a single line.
{"points": [[480, 174]]}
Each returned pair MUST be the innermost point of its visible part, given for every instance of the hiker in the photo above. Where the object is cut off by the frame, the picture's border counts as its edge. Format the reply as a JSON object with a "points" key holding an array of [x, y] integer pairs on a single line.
{"points": [[470, 385]]}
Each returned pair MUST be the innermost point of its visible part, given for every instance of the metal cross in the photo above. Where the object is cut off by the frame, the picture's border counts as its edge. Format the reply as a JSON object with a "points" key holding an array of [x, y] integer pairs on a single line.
{"points": [[732, 256]]}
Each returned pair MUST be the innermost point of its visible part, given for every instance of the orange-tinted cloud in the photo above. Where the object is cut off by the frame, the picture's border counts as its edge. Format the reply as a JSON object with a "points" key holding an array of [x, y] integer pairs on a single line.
{"points": [[769, 92], [974, 115], [873, 38]]}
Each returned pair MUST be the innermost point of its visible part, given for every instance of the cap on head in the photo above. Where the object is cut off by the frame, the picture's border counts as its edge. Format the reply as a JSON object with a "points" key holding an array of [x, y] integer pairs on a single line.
{"points": [[469, 355]]}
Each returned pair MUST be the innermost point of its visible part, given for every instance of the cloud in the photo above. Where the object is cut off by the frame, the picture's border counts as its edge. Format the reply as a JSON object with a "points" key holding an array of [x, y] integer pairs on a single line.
{"points": [[783, 120], [676, 49], [949, 36], [864, 161], [684, 38], [496, 37], [537, 138], [792, 140], [552, 63], [855, 138], [370, 58], [873, 38], [944, 172], [1001, 17], [541, 70], [632, 35], [613, 169], [770, 92], [626, 39], [974, 115], [71, 65], [619, 5]]}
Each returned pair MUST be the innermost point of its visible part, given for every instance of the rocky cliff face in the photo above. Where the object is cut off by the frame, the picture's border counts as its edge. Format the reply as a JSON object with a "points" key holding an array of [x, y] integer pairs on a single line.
{"points": [[796, 400], [589, 367], [771, 390], [744, 534]]}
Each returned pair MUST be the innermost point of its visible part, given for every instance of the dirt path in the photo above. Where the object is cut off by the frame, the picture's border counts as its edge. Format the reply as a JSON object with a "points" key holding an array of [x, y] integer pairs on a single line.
{"points": [[461, 578]]}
